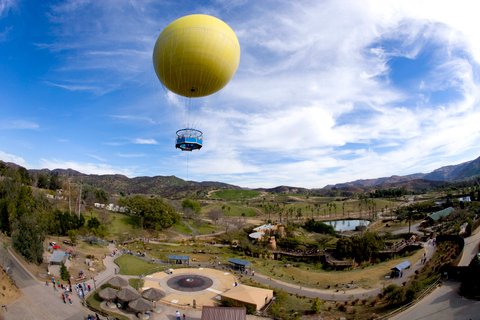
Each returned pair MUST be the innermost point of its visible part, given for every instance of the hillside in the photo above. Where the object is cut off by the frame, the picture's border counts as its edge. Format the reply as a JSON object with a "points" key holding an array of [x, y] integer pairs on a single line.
{"points": [[176, 188], [453, 173]]}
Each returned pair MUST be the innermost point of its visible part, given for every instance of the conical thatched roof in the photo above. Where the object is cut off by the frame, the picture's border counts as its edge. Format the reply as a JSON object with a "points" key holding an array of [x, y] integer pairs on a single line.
{"points": [[118, 282], [108, 293], [153, 294], [127, 294], [140, 305]]}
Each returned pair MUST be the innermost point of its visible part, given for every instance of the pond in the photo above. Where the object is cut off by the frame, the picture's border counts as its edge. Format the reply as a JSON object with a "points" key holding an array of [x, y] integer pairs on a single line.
{"points": [[345, 225]]}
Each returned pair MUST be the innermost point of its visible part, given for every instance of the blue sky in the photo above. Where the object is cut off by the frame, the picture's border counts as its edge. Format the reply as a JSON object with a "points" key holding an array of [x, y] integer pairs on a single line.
{"points": [[326, 91]]}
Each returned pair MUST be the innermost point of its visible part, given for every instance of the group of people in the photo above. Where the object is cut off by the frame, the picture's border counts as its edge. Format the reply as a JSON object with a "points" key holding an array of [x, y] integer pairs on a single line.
{"points": [[80, 288]]}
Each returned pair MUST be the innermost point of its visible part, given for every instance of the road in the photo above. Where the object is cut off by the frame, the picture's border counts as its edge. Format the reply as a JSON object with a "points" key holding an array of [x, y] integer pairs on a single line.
{"points": [[38, 300], [445, 302]]}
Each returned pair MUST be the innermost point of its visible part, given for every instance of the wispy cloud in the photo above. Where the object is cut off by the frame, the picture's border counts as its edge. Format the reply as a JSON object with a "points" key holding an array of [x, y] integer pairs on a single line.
{"points": [[96, 157], [6, 6], [18, 124], [131, 155], [134, 118], [144, 141]]}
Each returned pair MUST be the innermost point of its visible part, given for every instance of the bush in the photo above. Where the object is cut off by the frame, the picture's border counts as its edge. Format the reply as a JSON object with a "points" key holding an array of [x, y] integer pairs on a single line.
{"points": [[64, 274]]}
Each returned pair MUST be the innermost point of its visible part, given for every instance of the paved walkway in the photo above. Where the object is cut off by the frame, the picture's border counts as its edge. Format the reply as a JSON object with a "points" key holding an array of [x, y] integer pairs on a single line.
{"points": [[338, 295], [39, 300], [445, 302]]}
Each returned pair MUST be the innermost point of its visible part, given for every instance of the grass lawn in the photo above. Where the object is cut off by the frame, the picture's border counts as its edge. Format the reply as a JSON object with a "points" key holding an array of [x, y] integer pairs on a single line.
{"points": [[132, 266], [205, 228], [182, 228], [235, 194], [120, 225]]}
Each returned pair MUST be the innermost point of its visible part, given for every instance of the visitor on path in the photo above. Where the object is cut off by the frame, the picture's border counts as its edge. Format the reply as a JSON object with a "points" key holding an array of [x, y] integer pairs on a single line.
{"points": [[69, 299], [177, 314], [63, 297], [184, 316]]}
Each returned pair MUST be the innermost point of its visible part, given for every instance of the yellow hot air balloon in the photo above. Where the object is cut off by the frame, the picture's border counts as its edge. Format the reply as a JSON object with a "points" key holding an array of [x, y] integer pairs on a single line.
{"points": [[194, 57]]}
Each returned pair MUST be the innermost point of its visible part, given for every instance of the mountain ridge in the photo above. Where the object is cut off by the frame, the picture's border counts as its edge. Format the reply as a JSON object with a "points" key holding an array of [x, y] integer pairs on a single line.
{"points": [[175, 187]]}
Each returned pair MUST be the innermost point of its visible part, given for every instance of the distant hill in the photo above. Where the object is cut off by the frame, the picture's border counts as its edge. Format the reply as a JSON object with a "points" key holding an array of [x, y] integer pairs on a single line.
{"points": [[165, 186], [176, 188], [459, 172]]}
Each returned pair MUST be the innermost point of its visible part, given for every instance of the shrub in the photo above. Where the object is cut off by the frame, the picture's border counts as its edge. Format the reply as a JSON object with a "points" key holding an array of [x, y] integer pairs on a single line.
{"points": [[64, 274]]}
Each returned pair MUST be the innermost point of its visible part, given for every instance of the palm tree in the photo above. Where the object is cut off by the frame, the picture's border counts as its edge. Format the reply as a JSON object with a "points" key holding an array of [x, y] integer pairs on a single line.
{"points": [[410, 218]]}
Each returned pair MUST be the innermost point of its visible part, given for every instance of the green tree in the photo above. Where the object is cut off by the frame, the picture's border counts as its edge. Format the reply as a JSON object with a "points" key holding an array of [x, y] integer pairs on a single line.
{"points": [[4, 217], [64, 274], [193, 205], [42, 181], [93, 223], [27, 238], [153, 213], [72, 234], [317, 305]]}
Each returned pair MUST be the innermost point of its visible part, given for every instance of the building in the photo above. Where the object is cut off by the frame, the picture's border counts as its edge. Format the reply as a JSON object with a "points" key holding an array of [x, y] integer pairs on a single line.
{"points": [[256, 297], [223, 313]]}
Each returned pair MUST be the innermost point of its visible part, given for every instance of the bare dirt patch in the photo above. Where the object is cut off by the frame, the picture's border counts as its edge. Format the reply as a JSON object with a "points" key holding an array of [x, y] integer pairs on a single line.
{"points": [[9, 292]]}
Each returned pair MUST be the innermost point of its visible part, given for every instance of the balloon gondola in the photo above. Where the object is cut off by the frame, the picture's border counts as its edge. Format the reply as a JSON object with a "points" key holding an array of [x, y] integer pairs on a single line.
{"points": [[189, 139], [194, 57]]}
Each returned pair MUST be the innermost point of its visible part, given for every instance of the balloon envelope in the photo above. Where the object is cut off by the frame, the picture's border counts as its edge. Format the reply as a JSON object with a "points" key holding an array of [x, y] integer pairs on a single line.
{"points": [[196, 55]]}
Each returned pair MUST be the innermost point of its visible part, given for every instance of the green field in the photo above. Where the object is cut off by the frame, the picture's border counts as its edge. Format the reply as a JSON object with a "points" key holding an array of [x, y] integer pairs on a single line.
{"points": [[132, 266], [234, 194], [236, 209]]}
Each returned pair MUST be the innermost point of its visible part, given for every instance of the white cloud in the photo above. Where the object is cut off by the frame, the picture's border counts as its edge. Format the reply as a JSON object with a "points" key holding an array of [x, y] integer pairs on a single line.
{"points": [[144, 141], [12, 158], [87, 168], [315, 99]]}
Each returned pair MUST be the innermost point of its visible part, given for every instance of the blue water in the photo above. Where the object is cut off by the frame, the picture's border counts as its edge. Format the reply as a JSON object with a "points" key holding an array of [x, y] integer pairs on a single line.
{"points": [[345, 225]]}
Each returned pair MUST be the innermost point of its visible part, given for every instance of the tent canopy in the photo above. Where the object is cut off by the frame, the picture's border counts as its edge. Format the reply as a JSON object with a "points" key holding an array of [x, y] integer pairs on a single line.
{"points": [[56, 257], [442, 213], [174, 257], [404, 265], [239, 262]]}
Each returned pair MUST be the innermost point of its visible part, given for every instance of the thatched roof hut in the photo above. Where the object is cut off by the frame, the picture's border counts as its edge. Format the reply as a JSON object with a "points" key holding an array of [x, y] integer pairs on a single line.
{"points": [[140, 305], [108, 294], [118, 282], [153, 294], [128, 294]]}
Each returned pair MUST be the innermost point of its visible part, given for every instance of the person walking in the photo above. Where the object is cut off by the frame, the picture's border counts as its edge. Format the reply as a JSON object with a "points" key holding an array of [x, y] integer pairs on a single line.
{"points": [[177, 314], [184, 316], [63, 297]]}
